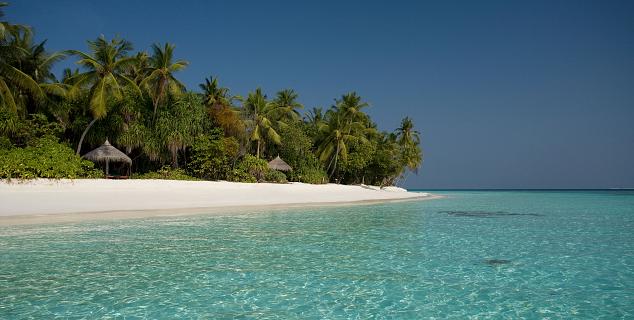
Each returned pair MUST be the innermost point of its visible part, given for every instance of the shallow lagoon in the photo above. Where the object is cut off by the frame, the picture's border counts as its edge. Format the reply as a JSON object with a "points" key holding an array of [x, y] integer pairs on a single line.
{"points": [[486, 254]]}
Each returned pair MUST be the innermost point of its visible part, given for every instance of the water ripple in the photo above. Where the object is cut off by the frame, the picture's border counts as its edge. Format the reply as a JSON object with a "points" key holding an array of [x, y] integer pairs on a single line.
{"points": [[400, 260]]}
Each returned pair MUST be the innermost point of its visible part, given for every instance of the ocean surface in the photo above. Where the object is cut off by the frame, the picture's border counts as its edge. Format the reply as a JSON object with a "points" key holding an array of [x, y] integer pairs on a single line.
{"points": [[502, 254]]}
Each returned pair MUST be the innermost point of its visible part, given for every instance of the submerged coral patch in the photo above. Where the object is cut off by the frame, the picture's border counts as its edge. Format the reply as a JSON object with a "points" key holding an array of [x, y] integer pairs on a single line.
{"points": [[496, 262], [487, 214]]}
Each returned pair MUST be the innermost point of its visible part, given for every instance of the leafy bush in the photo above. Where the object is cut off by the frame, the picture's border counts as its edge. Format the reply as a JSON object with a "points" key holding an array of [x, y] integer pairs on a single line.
{"points": [[275, 176], [354, 168], [237, 175], [47, 158], [5, 143], [28, 132], [9, 123], [211, 159], [314, 175], [296, 150], [250, 169], [165, 173], [178, 126], [384, 167]]}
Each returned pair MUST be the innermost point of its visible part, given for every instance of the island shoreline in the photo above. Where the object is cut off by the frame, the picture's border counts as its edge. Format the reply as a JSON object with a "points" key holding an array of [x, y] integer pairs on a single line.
{"points": [[17, 211]]}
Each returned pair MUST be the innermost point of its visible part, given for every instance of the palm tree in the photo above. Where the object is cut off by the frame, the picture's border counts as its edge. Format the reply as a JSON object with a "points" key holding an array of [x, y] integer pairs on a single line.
{"points": [[350, 106], [160, 79], [178, 126], [104, 76], [260, 119], [314, 116], [286, 104], [36, 62], [335, 135], [408, 141], [406, 135], [219, 103], [215, 96], [138, 70], [68, 74], [12, 79]]}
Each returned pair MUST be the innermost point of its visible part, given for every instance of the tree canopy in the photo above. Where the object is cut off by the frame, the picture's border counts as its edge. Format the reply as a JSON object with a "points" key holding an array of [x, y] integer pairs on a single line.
{"points": [[135, 100]]}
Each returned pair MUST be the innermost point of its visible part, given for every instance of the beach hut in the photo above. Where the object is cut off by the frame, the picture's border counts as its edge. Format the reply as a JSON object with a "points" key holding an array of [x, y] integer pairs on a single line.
{"points": [[106, 154], [279, 164]]}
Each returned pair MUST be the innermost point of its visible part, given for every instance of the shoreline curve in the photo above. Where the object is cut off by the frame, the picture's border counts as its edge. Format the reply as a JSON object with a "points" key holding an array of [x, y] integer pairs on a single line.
{"points": [[44, 201]]}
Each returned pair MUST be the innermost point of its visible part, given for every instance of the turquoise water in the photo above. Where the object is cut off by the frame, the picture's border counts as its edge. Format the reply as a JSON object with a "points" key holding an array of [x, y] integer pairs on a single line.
{"points": [[472, 254]]}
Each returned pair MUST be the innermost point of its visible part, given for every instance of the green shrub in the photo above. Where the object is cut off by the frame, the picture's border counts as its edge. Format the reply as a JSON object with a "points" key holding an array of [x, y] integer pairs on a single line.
{"points": [[28, 132], [5, 143], [275, 176], [354, 168], [314, 175], [211, 159], [296, 150], [47, 158], [165, 173], [237, 175], [250, 169]]}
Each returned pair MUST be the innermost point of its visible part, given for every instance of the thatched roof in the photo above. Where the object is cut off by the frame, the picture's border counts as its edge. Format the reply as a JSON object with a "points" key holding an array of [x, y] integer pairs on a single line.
{"points": [[279, 164], [107, 153]]}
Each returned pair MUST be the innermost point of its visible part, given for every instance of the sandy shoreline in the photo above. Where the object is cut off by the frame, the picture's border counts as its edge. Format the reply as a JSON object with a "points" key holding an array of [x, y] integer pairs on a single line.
{"points": [[43, 201]]}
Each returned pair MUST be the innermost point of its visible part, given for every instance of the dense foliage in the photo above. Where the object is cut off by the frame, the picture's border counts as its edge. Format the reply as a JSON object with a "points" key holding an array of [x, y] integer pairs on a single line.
{"points": [[213, 157], [165, 173], [136, 101], [250, 169], [46, 158], [297, 151]]}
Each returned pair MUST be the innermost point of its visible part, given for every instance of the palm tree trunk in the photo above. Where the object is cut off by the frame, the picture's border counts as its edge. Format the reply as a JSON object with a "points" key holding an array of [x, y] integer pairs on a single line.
{"points": [[257, 154], [401, 181], [154, 113], [334, 167], [330, 165], [159, 94], [81, 140], [174, 158]]}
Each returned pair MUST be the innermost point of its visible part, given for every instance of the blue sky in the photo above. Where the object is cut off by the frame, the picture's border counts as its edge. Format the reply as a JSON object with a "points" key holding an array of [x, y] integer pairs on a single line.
{"points": [[506, 94]]}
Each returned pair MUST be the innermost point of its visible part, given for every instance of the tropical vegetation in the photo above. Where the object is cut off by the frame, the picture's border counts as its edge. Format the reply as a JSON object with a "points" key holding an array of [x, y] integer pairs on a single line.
{"points": [[135, 100]]}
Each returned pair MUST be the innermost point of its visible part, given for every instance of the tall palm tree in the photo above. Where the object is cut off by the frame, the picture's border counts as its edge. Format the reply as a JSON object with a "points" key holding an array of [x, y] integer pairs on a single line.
{"points": [[260, 118], [138, 70], [215, 96], [69, 73], [335, 135], [160, 79], [104, 76], [408, 140], [286, 104], [37, 63], [314, 116], [178, 126], [406, 135], [219, 104], [12, 79], [350, 106]]}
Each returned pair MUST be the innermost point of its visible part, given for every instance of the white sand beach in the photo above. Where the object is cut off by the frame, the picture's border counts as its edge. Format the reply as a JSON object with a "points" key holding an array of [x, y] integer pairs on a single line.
{"points": [[113, 198]]}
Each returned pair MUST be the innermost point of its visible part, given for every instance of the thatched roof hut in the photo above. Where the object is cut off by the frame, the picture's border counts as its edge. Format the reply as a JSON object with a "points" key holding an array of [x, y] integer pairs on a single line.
{"points": [[279, 164], [106, 153]]}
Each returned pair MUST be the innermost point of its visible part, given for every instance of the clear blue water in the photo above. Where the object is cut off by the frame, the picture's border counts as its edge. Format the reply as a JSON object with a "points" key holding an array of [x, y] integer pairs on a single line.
{"points": [[560, 255]]}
